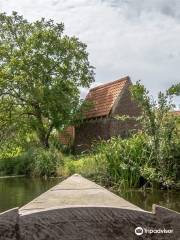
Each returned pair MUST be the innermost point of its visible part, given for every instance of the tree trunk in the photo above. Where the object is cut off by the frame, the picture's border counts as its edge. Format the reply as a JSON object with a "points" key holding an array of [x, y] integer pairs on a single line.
{"points": [[45, 143], [42, 132], [43, 139]]}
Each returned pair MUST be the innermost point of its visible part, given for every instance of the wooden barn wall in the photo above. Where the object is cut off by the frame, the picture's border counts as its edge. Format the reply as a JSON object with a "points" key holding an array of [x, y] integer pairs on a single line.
{"points": [[87, 132], [67, 136], [105, 128], [124, 104]]}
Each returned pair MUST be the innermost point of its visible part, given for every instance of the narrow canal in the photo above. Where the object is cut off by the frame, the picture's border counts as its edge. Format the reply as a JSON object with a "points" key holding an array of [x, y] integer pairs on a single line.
{"points": [[19, 191]]}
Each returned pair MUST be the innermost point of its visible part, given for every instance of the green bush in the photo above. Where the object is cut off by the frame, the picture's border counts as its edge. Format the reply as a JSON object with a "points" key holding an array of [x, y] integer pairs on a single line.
{"points": [[7, 166], [87, 165], [124, 157], [35, 161], [46, 162], [25, 162], [14, 166], [130, 160], [22, 164]]}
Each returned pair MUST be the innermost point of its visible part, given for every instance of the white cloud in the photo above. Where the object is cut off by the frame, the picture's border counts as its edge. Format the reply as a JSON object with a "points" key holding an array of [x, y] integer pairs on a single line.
{"points": [[139, 38]]}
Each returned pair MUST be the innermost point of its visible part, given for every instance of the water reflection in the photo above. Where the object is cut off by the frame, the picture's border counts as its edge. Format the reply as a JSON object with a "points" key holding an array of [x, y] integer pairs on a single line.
{"points": [[15, 192], [145, 199]]}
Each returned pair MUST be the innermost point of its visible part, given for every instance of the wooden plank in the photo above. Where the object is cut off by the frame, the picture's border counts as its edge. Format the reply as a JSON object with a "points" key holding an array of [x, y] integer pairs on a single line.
{"points": [[76, 191]]}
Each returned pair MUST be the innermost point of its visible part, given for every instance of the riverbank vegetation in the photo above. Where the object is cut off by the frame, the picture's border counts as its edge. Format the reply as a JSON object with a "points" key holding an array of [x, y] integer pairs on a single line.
{"points": [[149, 157], [41, 72]]}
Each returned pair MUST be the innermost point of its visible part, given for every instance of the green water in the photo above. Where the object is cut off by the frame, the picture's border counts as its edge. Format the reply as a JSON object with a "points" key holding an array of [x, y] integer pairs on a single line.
{"points": [[15, 192], [145, 199]]}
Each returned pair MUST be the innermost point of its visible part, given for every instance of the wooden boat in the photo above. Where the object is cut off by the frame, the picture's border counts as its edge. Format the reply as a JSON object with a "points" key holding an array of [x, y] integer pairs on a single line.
{"points": [[80, 209]]}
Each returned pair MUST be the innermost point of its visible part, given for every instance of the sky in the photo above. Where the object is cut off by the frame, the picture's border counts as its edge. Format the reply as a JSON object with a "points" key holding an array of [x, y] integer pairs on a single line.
{"points": [[138, 38]]}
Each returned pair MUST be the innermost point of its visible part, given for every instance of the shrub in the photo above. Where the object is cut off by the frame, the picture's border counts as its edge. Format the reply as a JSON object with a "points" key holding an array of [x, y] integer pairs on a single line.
{"points": [[124, 157], [35, 161], [46, 162], [87, 165], [7, 166], [14, 166], [25, 162], [130, 160]]}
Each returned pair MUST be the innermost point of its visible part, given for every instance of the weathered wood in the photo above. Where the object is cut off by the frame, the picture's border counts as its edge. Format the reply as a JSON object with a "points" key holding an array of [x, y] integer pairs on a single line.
{"points": [[78, 209], [9, 225], [95, 223], [76, 191]]}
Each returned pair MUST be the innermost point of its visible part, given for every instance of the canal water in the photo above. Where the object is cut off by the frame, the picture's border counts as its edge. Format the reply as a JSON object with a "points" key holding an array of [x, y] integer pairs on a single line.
{"points": [[15, 192]]}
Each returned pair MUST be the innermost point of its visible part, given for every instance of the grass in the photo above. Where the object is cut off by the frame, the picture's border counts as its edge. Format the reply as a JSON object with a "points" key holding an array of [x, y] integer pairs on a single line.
{"points": [[88, 166], [124, 163]]}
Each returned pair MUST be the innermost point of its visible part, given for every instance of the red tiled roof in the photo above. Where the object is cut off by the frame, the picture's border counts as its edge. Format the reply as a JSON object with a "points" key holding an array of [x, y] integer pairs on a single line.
{"points": [[176, 113], [104, 96]]}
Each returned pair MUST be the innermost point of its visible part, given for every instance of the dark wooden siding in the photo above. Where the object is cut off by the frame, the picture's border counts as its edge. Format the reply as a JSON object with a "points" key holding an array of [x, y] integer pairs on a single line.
{"points": [[107, 127]]}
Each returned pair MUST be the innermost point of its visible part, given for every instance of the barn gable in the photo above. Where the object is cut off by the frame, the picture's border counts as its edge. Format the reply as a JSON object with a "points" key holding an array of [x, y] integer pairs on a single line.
{"points": [[108, 100], [104, 97]]}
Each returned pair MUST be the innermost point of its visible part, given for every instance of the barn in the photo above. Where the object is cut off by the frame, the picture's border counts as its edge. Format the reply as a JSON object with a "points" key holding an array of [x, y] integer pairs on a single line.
{"points": [[108, 101]]}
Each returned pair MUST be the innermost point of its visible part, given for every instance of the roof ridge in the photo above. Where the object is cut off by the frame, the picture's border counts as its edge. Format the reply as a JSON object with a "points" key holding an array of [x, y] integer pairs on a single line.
{"points": [[127, 78]]}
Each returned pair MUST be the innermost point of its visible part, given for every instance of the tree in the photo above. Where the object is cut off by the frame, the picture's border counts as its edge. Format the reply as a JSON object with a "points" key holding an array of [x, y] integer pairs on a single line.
{"points": [[41, 71], [174, 90], [160, 127]]}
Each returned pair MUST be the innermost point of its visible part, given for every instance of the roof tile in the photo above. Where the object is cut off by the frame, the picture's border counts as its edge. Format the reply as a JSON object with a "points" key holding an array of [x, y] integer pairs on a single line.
{"points": [[103, 97]]}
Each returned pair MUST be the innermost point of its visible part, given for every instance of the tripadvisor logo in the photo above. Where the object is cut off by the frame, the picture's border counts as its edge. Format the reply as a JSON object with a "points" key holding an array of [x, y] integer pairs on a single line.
{"points": [[139, 231]]}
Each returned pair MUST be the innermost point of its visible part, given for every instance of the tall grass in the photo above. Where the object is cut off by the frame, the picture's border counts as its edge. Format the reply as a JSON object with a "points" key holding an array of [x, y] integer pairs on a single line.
{"points": [[124, 158], [46, 162], [35, 162], [114, 162], [87, 165]]}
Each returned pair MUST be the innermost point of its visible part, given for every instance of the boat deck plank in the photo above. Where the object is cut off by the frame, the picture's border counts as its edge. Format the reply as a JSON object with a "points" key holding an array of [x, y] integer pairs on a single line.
{"points": [[76, 191]]}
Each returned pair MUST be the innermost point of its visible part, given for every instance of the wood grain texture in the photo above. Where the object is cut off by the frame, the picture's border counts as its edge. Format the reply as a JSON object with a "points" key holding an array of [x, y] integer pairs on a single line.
{"points": [[76, 191], [96, 223], [9, 228], [78, 209]]}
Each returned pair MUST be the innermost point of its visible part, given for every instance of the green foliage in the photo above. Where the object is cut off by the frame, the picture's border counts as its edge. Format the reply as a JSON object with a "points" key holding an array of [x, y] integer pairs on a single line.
{"points": [[46, 162], [128, 163], [14, 166], [160, 126], [89, 166], [21, 163], [174, 90], [124, 157], [150, 156], [149, 173], [7, 166], [41, 70], [35, 161]]}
